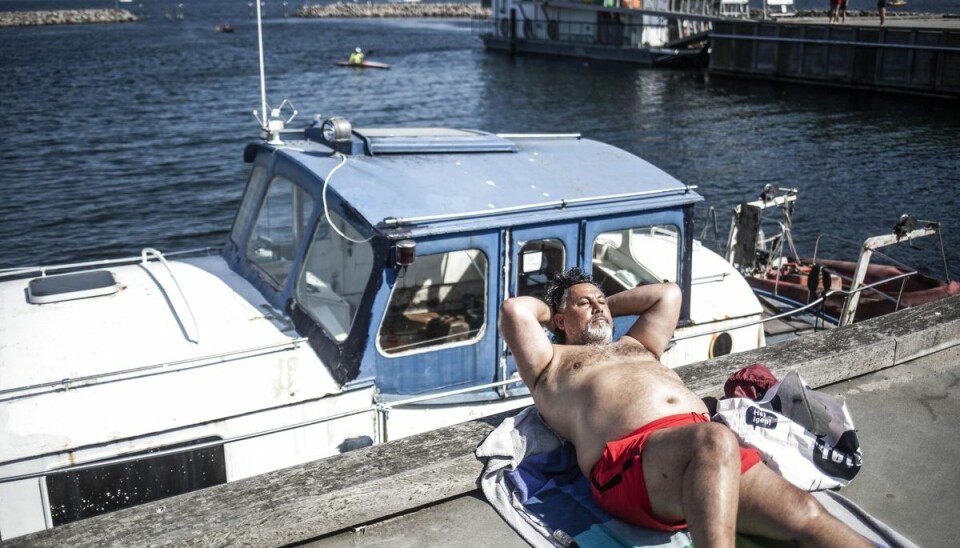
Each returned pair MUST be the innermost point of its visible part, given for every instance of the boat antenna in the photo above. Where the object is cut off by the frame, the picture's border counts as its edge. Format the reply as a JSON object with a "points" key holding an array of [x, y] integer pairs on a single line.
{"points": [[270, 127], [263, 84]]}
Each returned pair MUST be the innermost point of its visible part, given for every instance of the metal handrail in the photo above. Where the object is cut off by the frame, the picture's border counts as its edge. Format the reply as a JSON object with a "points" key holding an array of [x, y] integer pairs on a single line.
{"points": [[381, 407], [43, 270], [554, 204], [165, 367], [145, 255], [804, 307]]}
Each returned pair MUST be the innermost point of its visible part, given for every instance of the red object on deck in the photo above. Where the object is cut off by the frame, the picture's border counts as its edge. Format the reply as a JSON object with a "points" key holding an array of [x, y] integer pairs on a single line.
{"points": [[794, 283]]}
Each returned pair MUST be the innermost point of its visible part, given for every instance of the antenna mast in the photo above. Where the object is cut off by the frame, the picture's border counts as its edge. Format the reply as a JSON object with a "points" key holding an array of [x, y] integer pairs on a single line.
{"points": [[271, 122], [263, 85]]}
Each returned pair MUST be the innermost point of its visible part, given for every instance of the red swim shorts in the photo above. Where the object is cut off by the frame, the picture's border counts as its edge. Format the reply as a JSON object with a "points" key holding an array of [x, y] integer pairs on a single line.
{"points": [[617, 479]]}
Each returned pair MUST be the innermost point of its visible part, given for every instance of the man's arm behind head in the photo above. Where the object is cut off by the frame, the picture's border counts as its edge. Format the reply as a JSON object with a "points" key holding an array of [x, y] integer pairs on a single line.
{"points": [[657, 307], [521, 320]]}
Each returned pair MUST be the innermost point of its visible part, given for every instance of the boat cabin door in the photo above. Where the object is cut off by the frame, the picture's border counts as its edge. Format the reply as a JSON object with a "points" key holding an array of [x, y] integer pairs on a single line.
{"points": [[536, 253]]}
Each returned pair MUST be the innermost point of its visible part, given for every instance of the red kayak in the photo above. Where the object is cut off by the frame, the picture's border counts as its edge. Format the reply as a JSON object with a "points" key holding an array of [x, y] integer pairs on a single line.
{"points": [[364, 64]]}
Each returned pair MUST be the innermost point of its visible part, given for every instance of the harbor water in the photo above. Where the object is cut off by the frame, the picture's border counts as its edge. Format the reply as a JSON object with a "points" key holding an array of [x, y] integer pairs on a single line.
{"points": [[119, 137]]}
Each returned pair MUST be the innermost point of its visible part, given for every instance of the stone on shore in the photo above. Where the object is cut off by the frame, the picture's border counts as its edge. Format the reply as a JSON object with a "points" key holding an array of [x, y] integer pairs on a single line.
{"points": [[64, 17], [394, 10]]}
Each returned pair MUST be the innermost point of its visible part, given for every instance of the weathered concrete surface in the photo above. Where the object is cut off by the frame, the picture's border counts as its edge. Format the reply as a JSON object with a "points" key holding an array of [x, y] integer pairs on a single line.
{"points": [[394, 10], [64, 17], [322, 497]]}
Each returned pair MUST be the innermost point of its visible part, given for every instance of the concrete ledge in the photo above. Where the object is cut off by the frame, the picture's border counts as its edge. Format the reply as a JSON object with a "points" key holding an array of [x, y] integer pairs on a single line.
{"points": [[322, 497]]}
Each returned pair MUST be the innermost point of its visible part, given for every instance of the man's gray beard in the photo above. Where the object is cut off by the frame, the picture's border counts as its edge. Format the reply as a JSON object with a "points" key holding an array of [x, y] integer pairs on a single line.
{"points": [[600, 334]]}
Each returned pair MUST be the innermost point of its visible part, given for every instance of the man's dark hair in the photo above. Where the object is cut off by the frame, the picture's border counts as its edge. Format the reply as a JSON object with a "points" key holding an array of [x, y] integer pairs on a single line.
{"points": [[557, 288]]}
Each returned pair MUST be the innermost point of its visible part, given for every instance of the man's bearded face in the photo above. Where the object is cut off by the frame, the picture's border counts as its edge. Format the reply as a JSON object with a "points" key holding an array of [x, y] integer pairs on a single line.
{"points": [[585, 317], [598, 331]]}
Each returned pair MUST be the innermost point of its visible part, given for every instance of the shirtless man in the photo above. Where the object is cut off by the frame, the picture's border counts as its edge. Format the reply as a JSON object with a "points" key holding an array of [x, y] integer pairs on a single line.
{"points": [[642, 437]]}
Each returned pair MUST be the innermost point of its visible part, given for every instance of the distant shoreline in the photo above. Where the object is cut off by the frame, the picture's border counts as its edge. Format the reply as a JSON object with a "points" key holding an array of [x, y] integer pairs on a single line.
{"points": [[64, 17], [411, 9], [347, 10]]}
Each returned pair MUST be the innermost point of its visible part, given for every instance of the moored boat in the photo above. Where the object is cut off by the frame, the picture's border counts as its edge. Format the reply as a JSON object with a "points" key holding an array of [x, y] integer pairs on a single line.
{"points": [[354, 301], [839, 291]]}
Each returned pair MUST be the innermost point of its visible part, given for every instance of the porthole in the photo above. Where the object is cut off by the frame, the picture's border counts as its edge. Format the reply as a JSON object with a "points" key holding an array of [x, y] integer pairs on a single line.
{"points": [[721, 346]]}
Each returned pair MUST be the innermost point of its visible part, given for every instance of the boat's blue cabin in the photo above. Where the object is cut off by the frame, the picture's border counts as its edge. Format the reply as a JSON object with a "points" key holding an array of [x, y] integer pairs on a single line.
{"points": [[392, 249]]}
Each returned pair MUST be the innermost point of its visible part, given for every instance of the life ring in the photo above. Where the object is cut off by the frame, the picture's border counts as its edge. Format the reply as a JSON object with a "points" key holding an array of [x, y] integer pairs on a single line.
{"points": [[553, 29], [505, 28], [527, 28]]}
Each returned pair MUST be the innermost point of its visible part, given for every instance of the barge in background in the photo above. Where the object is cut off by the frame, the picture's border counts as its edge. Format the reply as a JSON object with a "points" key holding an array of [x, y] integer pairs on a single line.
{"points": [[672, 33]]}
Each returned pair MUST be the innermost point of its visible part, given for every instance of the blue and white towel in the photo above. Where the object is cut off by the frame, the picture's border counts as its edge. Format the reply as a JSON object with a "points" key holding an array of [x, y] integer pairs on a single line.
{"points": [[532, 479]]}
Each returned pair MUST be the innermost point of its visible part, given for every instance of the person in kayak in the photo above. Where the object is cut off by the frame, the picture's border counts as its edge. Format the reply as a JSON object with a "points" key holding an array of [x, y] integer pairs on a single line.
{"points": [[356, 57], [643, 438]]}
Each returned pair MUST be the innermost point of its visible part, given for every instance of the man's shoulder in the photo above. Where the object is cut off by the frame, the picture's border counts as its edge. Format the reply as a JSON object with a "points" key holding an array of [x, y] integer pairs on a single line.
{"points": [[627, 340]]}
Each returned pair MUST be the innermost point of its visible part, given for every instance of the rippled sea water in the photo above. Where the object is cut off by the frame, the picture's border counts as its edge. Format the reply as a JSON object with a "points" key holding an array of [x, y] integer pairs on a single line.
{"points": [[118, 137]]}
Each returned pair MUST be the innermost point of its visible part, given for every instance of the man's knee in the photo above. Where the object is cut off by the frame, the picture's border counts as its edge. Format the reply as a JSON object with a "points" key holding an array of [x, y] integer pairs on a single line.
{"points": [[808, 509], [716, 440]]}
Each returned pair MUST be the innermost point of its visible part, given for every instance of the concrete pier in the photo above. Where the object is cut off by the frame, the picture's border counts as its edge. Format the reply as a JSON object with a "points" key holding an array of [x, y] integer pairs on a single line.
{"points": [[905, 400], [64, 17], [915, 55]]}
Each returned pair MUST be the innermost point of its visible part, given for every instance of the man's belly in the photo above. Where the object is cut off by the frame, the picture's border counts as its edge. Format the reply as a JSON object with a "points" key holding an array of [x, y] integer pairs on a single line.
{"points": [[613, 402]]}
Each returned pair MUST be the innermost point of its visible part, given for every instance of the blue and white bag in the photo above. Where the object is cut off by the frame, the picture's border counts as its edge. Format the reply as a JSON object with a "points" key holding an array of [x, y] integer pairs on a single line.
{"points": [[806, 436]]}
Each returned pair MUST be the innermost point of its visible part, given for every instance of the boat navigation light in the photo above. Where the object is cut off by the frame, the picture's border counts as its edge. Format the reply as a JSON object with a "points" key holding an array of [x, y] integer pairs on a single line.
{"points": [[406, 252], [272, 127]]}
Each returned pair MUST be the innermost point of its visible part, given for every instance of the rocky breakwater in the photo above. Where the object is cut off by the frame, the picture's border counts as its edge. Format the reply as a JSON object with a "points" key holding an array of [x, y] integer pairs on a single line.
{"points": [[64, 17], [369, 9]]}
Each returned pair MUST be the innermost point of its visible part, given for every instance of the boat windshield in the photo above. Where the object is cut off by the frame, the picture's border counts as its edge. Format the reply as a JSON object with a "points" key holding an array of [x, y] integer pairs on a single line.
{"points": [[336, 271], [627, 258]]}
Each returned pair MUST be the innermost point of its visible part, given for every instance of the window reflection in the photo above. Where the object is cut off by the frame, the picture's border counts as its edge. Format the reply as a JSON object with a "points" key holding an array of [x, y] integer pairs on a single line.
{"points": [[539, 261], [336, 271], [627, 258], [440, 299], [281, 224]]}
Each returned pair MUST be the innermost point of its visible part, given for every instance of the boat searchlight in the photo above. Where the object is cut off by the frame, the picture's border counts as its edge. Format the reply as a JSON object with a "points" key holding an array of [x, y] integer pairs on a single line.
{"points": [[336, 130]]}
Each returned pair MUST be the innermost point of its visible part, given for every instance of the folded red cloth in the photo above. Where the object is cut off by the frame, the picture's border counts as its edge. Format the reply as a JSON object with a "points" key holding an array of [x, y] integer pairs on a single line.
{"points": [[751, 382]]}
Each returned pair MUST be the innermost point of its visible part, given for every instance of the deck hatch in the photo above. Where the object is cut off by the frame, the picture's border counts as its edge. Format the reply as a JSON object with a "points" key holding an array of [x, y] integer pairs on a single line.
{"points": [[432, 140], [65, 287]]}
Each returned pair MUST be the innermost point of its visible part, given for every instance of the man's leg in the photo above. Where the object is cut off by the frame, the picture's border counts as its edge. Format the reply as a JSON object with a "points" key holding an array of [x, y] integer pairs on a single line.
{"points": [[693, 473], [772, 507]]}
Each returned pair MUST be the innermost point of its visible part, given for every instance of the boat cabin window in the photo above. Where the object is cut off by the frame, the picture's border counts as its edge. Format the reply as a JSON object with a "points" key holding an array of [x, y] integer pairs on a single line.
{"points": [[539, 261], [441, 299], [338, 266], [624, 259], [251, 199], [281, 224], [86, 493]]}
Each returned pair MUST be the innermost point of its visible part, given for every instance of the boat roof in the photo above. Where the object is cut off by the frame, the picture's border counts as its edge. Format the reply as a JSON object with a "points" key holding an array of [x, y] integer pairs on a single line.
{"points": [[435, 180]]}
